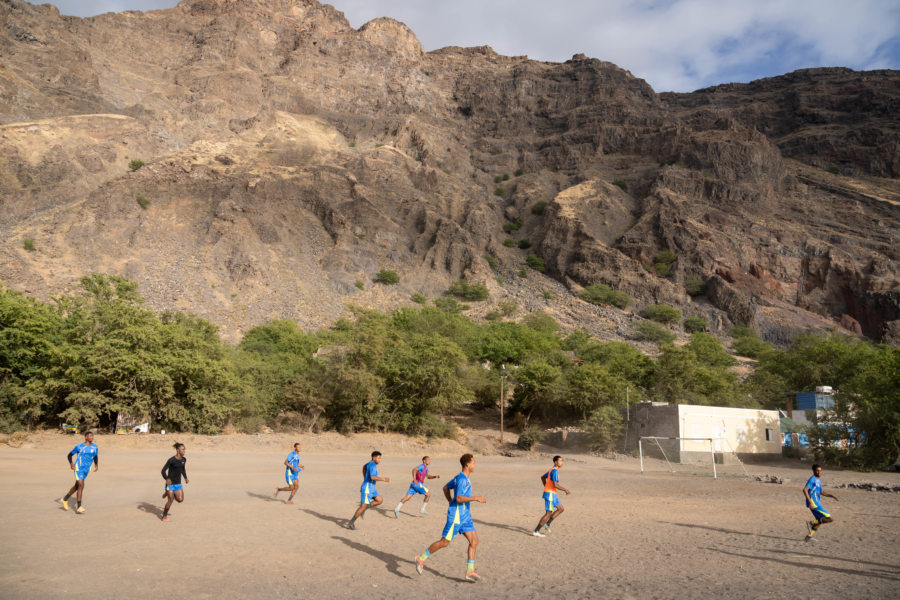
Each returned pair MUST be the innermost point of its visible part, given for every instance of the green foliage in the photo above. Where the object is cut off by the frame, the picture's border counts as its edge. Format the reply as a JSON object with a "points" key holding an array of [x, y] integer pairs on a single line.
{"points": [[523, 273], [519, 172], [661, 313], [507, 307], [493, 315], [662, 269], [135, 164], [359, 284], [681, 377], [497, 179], [547, 294], [28, 244], [605, 426], [620, 359], [491, 261], [694, 285], [511, 226], [665, 256], [621, 183], [387, 277], [499, 191], [649, 331], [833, 169], [466, 291], [505, 177], [142, 202], [524, 243], [602, 294], [709, 351], [535, 262], [695, 324], [538, 389], [539, 208], [419, 298], [508, 242], [450, 305], [352, 144], [747, 343], [542, 322], [530, 435]]}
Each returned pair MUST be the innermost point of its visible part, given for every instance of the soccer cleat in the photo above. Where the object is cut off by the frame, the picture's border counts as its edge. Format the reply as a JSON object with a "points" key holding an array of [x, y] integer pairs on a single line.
{"points": [[165, 518], [65, 503], [546, 529], [351, 525], [79, 510], [473, 576], [423, 511], [420, 565], [537, 533], [397, 513]]}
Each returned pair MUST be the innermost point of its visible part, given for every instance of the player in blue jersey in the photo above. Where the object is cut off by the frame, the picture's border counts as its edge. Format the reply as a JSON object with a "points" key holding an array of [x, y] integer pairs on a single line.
{"points": [[420, 475], [459, 519], [291, 473], [172, 472], [81, 458], [552, 506], [812, 491], [369, 496]]}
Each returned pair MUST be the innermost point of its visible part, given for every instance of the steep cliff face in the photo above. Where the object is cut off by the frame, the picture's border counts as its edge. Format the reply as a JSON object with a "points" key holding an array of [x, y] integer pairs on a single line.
{"points": [[289, 157]]}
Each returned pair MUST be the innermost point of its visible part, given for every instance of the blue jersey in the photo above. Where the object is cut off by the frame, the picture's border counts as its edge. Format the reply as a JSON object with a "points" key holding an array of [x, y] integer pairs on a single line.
{"points": [[84, 456], [293, 459], [370, 471], [814, 485], [460, 486]]}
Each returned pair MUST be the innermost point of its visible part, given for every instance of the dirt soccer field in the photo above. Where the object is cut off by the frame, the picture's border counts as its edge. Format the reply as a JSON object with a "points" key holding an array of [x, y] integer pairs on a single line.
{"points": [[624, 534]]}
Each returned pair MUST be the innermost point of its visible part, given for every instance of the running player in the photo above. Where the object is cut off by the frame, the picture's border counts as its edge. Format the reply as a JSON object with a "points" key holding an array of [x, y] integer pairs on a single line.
{"points": [[420, 474], [552, 506], [291, 473], [812, 491], [459, 519], [172, 472], [85, 454], [369, 496]]}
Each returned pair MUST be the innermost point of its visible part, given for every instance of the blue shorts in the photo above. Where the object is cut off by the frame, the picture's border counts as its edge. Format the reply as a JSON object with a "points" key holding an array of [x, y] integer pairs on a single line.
{"points": [[551, 501], [820, 513], [174, 487], [79, 475], [367, 493], [416, 488], [290, 477], [456, 524]]}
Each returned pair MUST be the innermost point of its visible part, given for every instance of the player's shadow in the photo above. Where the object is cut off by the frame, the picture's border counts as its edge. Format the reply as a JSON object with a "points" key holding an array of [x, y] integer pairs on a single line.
{"points": [[336, 520], [729, 531], [264, 497], [391, 561], [807, 565], [507, 527], [819, 555], [150, 509]]}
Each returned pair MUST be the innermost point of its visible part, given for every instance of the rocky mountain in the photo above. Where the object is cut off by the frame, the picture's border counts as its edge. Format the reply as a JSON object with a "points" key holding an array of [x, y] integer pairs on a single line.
{"points": [[287, 157]]}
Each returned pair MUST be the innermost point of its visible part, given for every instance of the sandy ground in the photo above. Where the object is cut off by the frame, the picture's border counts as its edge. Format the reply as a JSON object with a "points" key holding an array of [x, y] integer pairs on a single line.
{"points": [[624, 534]]}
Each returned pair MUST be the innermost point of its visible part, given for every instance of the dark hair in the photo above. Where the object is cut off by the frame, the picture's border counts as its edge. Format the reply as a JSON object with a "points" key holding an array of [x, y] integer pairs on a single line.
{"points": [[88, 432], [815, 466], [296, 444], [424, 457], [556, 458], [466, 459], [177, 444], [376, 453]]}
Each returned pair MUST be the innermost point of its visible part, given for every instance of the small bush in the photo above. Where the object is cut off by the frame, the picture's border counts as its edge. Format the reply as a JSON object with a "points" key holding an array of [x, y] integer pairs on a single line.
{"points": [[387, 277], [505, 177], [695, 324], [661, 313], [538, 208], [519, 172], [360, 284], [509, 242], [135, 164], [603, 294], [462, 289], [648, 331], [507, 308], [524, 243], [490, 260], [530, 436], [548, 295], [499, 191], [352, 144], [535, 262], [833, 169], [450, 305], [523, 273], [662, 269], [28, 244], [694, 285], [497, 179], [419, 298], [493, 315], [511, 226], [621, 183], [665, 256], [143, 202]]}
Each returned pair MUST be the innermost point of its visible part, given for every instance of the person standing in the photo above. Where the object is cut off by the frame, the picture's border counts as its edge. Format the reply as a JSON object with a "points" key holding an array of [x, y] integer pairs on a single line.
{"points": [[459, 519], [552, 506], [80, 459], [420, 475], [812, 491], [369, 496], [291, 474], [172, 472]]}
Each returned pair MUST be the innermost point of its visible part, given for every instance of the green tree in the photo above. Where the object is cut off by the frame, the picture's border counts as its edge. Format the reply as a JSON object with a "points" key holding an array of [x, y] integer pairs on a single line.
{"points": [[604, 425]]}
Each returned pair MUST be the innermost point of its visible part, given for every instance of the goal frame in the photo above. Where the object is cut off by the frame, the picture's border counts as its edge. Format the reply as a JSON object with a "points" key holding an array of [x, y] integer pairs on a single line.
{"points": [[711, 441]]}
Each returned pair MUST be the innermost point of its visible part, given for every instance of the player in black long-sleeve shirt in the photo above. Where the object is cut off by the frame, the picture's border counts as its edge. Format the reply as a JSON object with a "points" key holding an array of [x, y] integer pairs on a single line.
{"points": [[172, 472]]}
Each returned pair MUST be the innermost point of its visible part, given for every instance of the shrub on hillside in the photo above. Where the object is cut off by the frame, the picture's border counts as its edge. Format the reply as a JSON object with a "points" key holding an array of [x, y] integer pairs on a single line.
{"points": [[661, 313], [695, 324], [463, 289], [601, 294], [648, 331], [387, 277]]}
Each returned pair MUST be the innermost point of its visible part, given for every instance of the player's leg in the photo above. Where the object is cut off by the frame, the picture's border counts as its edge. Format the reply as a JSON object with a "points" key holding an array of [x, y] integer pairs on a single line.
{"points": [[376, 501], [820, 517], [69, 494], [288, 487], [424, 509], [170, 497], [558, 510], [294, 487], [402, 502], [79, 494], [179, 496], [471, 574], [450, 530]]}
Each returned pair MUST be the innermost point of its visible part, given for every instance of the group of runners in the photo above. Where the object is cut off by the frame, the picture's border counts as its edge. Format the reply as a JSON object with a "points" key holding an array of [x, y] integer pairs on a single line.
{"points": [[457, 491]]}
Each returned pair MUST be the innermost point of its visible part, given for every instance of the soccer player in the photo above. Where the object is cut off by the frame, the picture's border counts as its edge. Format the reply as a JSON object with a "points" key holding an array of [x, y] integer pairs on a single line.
{"points": [[552, 506], [85, 454], [369, 496], [420, 474], [172, 472], [812, 491], [291, 473], [459, 519]]}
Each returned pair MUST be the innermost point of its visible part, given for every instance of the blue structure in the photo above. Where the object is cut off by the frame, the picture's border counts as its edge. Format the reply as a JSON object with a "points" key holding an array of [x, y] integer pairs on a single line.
{"points": [[814, 401]]}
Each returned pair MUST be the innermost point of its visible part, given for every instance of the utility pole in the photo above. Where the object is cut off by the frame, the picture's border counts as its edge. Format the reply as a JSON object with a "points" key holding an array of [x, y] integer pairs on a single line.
{"points": [[502, 375]]}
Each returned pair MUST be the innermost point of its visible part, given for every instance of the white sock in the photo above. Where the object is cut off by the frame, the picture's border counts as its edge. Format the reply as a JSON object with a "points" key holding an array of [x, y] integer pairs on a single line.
{"points": [[399, 506], [424, 504]]}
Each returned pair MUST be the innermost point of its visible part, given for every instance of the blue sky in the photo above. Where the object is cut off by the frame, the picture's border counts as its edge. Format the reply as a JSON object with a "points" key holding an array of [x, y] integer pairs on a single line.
{"points": [[676, 45]]}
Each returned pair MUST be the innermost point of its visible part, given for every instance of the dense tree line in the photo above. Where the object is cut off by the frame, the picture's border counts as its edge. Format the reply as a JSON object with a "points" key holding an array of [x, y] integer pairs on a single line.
{"points": [[84, 359]]}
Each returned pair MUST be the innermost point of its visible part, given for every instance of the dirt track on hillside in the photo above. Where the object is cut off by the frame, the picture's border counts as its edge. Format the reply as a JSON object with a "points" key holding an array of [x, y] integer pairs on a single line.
{"points": [[624, 535]]}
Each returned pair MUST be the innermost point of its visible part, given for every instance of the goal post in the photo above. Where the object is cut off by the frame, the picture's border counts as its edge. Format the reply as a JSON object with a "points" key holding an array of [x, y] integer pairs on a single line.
{"points": [[677, 450]]}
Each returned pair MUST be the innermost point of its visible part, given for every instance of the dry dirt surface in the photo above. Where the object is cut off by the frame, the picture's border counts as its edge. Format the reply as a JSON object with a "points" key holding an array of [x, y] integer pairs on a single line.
{"points": [[624, 534]]}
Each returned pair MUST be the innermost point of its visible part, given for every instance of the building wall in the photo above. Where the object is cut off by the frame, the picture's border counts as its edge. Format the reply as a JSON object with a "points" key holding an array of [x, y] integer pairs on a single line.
{"points": [[738, 430]]}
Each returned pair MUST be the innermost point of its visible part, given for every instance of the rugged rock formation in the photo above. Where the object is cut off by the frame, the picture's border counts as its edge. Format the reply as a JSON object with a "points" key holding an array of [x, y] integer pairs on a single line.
{"points": [[289, 157]]}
